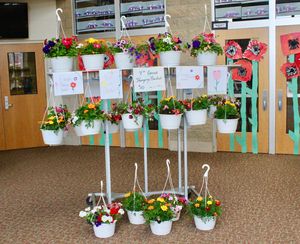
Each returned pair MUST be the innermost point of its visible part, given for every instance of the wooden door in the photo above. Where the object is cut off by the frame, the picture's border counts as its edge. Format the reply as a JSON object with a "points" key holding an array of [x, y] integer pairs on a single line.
{"points": [[243, 141], [23, 95], [287, 101]]}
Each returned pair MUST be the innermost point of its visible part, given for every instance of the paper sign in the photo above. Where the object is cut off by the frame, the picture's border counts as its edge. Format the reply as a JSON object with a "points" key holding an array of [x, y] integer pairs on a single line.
{"points": [[290, 43], [111, 84], [189, 77], [68, 83], [217, 80], [149, 79]]}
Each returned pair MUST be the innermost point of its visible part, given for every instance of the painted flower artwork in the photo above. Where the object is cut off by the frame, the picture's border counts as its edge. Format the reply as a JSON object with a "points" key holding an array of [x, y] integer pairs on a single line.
{"points": [[290, 70], [244, 72], [255, 50], [233, 50]]}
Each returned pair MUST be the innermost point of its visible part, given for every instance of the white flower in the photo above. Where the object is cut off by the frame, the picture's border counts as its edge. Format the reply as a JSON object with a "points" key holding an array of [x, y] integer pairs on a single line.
{"points": [[104, 218], [167, 40], [170, 198], [82, 214], [94, 210], [110, 219], [121, 211], [87, 209], [80, 45], [107, 211], [98, 207]]}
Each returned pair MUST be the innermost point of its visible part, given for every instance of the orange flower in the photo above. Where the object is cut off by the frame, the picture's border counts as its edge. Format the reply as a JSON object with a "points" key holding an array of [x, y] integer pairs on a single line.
{"points": [[91, 106], [150, 207], [215, 214], [151, 201], [197, 205], [85, 111]]}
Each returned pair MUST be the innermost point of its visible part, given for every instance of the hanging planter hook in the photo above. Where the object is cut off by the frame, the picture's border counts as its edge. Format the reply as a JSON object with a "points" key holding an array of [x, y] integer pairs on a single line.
{"points": [[166, 21], [207, 170], [123, 18], [57, 13]]}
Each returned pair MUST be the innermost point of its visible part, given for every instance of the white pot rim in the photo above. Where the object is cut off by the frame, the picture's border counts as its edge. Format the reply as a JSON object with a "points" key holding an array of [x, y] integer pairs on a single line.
{"points": [[179, 51]]}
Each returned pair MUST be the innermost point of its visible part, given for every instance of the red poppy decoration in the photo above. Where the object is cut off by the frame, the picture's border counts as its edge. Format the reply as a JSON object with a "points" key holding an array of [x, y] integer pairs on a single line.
{"points": [[255, 50], [233, 50], [290, 43], [290, 70], [108, 60], [242, 73], [80, 63], [297, 60]]}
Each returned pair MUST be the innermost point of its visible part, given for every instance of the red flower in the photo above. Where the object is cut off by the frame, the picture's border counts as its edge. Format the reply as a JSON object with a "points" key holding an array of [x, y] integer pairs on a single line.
{"points": [[233, 50], [67, 42], [218, 203], [290, 70], [255, 50], [207, 209], [97, 45], [114, 211], [242, 73]]}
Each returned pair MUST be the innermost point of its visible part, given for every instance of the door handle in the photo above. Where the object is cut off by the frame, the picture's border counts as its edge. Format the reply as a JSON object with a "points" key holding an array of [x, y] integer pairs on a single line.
{"points": [[280, 100], [265, 100], [7, 105]]}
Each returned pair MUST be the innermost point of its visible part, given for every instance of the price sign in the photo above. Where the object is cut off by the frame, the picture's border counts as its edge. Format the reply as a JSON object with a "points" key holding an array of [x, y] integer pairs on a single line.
{"points": [[68, 83]]}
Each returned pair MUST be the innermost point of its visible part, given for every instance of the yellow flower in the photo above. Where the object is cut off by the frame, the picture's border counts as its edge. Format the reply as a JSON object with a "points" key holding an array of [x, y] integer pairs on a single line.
{"points": [[210, 197], [91, 106], [209, 202], [160, 199], [50, 122], [164, 208], [127, 194], [60, 120], [91, 40], [150, 207], [199, 199], [51, 118], [151, 201], [197, 205]]}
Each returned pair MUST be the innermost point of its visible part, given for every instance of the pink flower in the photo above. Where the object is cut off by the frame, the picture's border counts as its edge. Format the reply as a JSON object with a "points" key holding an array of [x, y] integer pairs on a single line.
{"points": [[67, 42], [166, 107], [97, 45]]}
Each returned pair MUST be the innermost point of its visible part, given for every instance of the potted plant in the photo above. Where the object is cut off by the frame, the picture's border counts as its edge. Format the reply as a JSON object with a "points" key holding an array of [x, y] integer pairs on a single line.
{"points": [[196, 110], [170, 112], [168, 47], [134, 205], [159, 215], [143, 55], [205, 212], [61, 52], [92, 52], [123, 52], [206, 49], [87, 119], [227, 116], [213, 102], [176, 204], [57, 120], [133, 114], [103, 218]]}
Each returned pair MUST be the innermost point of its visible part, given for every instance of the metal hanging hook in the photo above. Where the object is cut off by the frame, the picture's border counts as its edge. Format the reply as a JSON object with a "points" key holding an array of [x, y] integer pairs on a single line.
{"points": [[123, 18], [207, 170], [168, 165], [101, 186], [57, 14]]}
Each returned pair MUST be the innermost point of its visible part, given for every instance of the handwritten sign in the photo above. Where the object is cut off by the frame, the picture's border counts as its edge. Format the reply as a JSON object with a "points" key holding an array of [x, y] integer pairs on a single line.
{"points": [[149, 79], [217, 80], [189, 77], [68, 83], [111, 84]]}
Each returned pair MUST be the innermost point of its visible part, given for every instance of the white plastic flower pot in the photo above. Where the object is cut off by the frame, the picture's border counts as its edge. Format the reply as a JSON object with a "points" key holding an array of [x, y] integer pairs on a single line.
{"points": [[162, 228], [124, 61], [212, 110], [205, 223], [170, 121], [207, 58], [93, 62], [196, 117], [52, 137], [105, 230], [136, 217], [113, 128], [227, 126], [170, 58], [177, 216], [131, 123], [61, 64], [84, 130]]}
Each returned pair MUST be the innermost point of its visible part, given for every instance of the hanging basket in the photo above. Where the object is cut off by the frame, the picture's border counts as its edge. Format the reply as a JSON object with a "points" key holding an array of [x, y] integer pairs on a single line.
{"points": [[196, 117], [162, 228], [207, 223], [136, 217], [207, 58], [124, 61], [93, 62], [52, 137], [132, 124], [212, 110], [61, 64], [112, 128], [170, 121], [170, 58], [105, 230], [227, 126], [84, 130]]}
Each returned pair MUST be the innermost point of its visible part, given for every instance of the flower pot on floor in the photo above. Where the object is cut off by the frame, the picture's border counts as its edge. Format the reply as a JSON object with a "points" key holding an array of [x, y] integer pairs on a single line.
{"points": [[136, 217], [52, 137], [61, 64], [162, 228], [105, 230], [207, 58], [93, 62], [131, 123], [227, 126], [196, 117], [124, 61], [170, 121], [85, 130], [170, 58], [207, 223]]}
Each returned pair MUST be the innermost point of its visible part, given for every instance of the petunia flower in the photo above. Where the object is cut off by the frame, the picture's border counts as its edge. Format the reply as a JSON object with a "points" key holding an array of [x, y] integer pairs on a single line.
{"points": [[233, 50], [255, 50], [290, 70], [244, 72], [196, 43]]}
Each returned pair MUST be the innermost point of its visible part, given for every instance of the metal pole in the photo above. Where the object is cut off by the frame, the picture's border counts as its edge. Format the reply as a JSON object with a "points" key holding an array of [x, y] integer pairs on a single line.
{"points": [[179, 159], [145, 156], [185, 157]]}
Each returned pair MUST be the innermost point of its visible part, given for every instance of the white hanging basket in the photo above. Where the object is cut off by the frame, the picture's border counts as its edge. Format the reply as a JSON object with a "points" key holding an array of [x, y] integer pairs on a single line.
{"points": [[212, 110], [112, 128], [124, 61], [61, 64], [162, 228], [83, 130], [170, 58], [207, 58], [207, 223], [196, 117], [227, 126], [132, 124], [177, 216], [105, 230], [170, 121], [52, 137], [136, 217], [93, 61]]}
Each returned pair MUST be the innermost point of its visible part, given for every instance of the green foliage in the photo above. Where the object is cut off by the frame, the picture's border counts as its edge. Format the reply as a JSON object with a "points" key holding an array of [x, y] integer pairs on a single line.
{"points": [[214, 100], [227, 109], [92, 46], [121, 46], [157, 210], [197, 103], [57, 118], [199, 208], [170, 105], [166, 42], [60, 47], [205, 42], [134, 201]]}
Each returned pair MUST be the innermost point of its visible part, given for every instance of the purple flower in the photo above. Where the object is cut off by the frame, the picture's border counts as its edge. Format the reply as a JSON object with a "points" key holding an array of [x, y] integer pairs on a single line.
{"points": [[179, 41], [188, 45], [152, 47], [46, 49], [151, 40], [98, 224], [51, 43], [196, 44]]}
